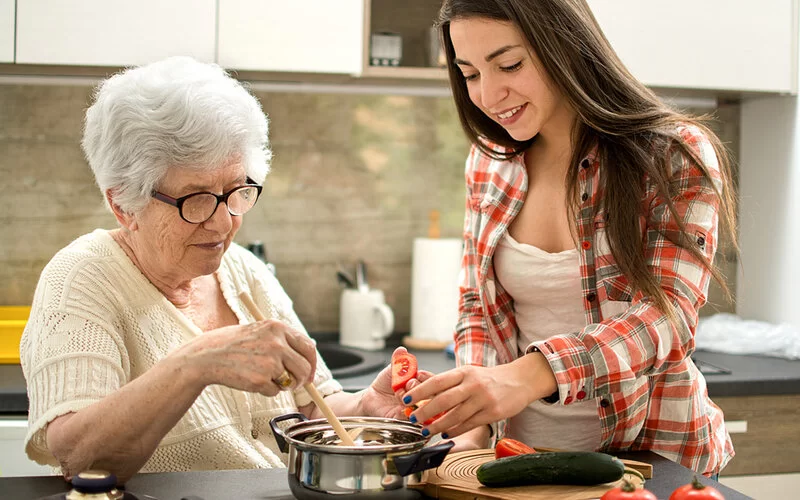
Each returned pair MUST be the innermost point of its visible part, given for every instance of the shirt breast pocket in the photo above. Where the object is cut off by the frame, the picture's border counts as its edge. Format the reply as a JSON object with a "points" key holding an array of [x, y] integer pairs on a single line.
{"points": [[483, 208], [611, 308], [609, 276]]}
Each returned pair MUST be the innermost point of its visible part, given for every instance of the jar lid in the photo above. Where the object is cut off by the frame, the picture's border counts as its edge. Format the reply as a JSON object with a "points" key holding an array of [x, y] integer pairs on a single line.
{"points": [[94, 481]]}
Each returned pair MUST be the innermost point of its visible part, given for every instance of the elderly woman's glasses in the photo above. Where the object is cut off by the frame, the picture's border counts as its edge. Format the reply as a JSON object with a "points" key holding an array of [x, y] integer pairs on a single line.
{"points": [[197, 208]]}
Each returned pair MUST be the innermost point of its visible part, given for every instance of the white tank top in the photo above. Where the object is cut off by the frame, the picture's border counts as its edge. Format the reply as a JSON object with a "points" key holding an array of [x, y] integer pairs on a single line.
{"points": [[546, 288]]}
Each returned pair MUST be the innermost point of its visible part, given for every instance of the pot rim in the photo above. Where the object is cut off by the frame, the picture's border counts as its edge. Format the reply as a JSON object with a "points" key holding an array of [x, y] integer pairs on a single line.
{"points": [[353, 422]]}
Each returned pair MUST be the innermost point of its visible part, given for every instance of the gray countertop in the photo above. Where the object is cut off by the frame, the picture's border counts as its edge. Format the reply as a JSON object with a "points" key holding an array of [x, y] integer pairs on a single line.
{"points": [[749, 376], [273, 483]]}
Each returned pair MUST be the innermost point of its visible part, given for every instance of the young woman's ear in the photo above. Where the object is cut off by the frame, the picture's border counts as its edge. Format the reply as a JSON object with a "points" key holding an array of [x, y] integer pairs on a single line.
{"points": [[125, 219]]}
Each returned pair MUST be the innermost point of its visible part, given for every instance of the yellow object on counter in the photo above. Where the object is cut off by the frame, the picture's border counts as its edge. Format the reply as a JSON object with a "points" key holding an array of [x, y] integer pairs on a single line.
{"points": [[12, 322]]}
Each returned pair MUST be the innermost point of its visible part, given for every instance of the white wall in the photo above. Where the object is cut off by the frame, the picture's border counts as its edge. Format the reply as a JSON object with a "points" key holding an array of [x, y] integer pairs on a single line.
{"points": [[769, 274]]}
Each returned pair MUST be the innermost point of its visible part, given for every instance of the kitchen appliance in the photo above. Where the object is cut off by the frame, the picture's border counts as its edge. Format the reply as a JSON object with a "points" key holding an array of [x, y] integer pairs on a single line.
{"points": [[385, 49], [390, 455], [455, 479]]}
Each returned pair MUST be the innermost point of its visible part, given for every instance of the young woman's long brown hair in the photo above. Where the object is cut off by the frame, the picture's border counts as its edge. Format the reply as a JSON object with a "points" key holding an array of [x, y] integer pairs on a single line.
{"points": [[624, 119]]}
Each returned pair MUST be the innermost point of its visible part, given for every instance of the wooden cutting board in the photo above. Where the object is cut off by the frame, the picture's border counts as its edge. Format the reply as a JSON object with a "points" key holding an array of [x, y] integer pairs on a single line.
{"points": [[456, 479]]}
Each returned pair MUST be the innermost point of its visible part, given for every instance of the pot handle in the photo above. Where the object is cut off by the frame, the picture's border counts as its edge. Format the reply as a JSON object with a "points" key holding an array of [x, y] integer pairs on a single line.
{"points": [[424, 459], [280, 437]]}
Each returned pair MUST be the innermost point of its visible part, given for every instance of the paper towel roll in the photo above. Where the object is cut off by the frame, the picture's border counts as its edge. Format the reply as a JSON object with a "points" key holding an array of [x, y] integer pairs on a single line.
{"points": [[434, 288]]}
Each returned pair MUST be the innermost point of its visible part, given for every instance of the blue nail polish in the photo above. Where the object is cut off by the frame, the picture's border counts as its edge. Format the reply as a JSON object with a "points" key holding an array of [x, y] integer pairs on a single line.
{"points": [[444, 435], [412, 419], [425, 432], [407, 399]]}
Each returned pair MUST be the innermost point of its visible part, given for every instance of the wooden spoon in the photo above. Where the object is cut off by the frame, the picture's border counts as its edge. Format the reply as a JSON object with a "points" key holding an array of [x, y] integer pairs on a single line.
{"points": [[344, 437], [355, 432]]}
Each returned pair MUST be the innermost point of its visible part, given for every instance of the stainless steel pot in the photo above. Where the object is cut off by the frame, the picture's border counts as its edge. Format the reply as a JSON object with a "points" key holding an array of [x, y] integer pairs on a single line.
{"points": [[390, 457]]}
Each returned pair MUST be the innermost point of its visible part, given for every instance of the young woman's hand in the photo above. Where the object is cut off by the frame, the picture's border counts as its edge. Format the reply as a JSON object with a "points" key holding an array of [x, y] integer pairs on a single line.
{"points": [[379, 400], [475, 396]]}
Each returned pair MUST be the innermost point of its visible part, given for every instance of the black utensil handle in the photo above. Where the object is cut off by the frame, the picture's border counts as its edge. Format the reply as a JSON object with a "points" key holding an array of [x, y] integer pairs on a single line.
{"points": [[424, 459], [345, 279], [280, 437]]}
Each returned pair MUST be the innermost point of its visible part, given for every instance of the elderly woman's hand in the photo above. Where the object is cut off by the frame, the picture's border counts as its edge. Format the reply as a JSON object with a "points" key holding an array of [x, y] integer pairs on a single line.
{"points": [[251, 357]]}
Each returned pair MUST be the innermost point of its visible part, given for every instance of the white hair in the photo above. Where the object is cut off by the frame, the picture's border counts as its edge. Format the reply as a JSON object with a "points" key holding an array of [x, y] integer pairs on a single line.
{"points": [[175, 112]]}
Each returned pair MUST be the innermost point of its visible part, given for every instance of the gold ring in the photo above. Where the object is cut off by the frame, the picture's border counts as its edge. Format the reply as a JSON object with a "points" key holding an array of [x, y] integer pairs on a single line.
{"points": [[285, 380]]}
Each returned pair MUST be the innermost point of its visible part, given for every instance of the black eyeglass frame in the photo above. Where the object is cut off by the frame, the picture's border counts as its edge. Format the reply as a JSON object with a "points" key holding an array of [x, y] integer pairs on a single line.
{"points": [[178, 202]]}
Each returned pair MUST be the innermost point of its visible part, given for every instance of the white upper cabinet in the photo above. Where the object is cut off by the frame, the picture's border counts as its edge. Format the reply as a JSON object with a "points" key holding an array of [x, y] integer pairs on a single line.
{"points": [[319, 36], [113, 32], [7, 31], [705, 44]]}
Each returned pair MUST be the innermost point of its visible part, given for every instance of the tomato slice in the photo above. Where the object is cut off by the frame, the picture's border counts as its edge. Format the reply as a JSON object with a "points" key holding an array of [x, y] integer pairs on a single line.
{"points": [[508, 447], [404, 368]]}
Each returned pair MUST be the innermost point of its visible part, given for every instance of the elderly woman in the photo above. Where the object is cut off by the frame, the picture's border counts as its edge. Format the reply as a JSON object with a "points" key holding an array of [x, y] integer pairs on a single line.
{"points": [[139, 353]]}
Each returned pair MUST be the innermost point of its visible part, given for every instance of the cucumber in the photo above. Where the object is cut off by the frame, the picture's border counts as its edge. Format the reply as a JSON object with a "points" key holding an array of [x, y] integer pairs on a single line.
{"points": [[558, 467]]}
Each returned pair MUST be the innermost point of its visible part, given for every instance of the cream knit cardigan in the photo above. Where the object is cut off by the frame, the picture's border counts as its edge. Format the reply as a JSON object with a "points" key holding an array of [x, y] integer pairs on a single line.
{"points": [[97, 323]]}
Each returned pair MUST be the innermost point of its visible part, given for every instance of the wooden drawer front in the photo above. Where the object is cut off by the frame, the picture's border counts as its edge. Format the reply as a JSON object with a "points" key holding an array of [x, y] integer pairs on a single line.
{"points": [[772, 442]]}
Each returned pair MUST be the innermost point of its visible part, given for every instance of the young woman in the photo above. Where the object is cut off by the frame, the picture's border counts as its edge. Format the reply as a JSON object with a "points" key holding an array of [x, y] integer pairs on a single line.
{"points": [[591, 227]]}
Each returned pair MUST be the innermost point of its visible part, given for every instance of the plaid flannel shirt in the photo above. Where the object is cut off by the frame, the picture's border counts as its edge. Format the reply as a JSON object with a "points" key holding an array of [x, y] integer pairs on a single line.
{"points": [[636, 365]]}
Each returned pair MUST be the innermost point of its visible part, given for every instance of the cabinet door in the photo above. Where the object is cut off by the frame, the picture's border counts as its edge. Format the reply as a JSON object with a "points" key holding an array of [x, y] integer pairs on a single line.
{"points": [[704, 44], [7, 31], [13, 460], [318, 36], [113, 32], [769, 444]]}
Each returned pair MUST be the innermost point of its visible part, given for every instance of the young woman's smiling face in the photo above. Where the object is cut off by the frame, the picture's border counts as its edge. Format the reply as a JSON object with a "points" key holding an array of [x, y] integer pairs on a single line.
{"points": [[505, 79]]}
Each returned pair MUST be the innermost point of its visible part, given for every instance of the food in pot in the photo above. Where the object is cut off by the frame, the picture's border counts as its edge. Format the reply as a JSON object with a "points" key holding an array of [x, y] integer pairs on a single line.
{"points": [[361, 435]]}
